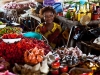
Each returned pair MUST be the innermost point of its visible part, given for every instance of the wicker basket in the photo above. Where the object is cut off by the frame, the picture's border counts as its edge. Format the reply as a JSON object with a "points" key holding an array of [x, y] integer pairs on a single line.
{"points": [[91, 45]]}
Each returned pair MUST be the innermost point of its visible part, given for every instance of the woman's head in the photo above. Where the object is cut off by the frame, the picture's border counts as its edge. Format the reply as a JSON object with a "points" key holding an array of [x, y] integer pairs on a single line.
{"points": [[48, 14]]}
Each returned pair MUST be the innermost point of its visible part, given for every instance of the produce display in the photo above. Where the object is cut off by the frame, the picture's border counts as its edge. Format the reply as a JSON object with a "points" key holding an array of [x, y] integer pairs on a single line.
{"points": [[33, 57], [9, 29], [29, 53], [69, 56], [38, 69], [14, 52]]}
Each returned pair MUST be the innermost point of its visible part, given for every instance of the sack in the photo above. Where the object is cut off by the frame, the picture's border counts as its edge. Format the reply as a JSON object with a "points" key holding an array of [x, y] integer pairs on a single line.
{"points": [[58, 7], [48, 2]]}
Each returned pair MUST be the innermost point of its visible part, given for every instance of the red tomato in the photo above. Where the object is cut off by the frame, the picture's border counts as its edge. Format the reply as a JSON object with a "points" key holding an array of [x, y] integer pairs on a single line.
{"points": [[63, 69], [55, 72], [55, 65]]}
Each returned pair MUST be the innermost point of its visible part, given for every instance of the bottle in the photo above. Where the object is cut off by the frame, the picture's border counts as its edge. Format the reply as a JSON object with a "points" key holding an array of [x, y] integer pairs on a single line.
{"points": [[76, 12], [82, 12], [94, 13], [88, 10], [94, 9], [68, 14]]}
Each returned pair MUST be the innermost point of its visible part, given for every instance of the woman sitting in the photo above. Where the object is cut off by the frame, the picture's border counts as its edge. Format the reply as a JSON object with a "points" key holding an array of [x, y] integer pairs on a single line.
{"points": [[51, 30]]}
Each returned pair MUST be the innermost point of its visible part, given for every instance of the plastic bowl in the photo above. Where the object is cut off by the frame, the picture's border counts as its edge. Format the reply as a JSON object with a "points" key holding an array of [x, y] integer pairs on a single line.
{"points": [[2, 26], [33, 35], [11, 40]]}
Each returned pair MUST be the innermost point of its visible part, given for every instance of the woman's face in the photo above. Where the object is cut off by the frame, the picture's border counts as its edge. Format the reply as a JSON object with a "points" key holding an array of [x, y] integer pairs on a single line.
{"points": [[48, 16]]}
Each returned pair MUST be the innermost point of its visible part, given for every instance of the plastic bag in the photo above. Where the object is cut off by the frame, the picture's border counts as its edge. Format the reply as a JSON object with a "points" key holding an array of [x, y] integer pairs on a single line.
{"points": [[58, 7]]}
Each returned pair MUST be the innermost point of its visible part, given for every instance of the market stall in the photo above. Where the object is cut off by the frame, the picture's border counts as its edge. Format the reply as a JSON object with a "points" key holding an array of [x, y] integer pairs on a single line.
{"points": [[26, 52]]}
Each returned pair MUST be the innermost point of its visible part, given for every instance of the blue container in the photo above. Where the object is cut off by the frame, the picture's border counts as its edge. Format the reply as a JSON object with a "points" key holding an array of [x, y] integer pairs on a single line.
{"points": [[33, 35]]}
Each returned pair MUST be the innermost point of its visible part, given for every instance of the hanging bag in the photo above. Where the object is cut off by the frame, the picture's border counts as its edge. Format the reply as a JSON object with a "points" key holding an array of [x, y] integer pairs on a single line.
{"points": [[58, 7]]}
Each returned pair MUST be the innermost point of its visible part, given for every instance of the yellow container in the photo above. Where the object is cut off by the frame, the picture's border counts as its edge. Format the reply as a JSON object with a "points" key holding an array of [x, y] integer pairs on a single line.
{"points": [[80, 15]]}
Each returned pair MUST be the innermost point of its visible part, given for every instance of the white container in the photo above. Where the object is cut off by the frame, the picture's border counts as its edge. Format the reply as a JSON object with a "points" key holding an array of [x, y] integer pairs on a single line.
{"points": [[11, 40]]}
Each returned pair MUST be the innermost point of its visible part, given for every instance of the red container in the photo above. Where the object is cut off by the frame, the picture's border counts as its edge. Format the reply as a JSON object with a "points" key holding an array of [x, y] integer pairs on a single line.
{"points": [[95, 16]]}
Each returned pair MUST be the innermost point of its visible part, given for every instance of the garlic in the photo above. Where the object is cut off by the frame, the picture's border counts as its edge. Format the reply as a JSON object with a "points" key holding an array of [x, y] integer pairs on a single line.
{"points": [[50, 59], [44, 68], [36, 67], [27, 66], [18, 67]]}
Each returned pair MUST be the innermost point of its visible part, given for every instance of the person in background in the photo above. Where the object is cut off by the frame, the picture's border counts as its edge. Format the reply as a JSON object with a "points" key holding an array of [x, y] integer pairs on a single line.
{"points": [[50, 29]]}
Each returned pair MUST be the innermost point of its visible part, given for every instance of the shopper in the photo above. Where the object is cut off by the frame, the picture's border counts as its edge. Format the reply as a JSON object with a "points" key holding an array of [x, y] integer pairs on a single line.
{"points": [[51, 30]]}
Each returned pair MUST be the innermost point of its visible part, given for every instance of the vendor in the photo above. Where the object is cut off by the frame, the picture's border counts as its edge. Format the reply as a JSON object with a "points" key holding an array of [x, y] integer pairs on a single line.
{"points": [[51, 30]]}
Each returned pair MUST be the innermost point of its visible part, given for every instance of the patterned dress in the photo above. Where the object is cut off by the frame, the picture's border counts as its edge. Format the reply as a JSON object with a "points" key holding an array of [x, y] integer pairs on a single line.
{"points": [[53, 36]]}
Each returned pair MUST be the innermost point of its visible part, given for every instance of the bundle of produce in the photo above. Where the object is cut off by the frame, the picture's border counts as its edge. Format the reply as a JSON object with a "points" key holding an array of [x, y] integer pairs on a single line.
{"points": [[14, 52], [9, 29], [34, 55]]}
